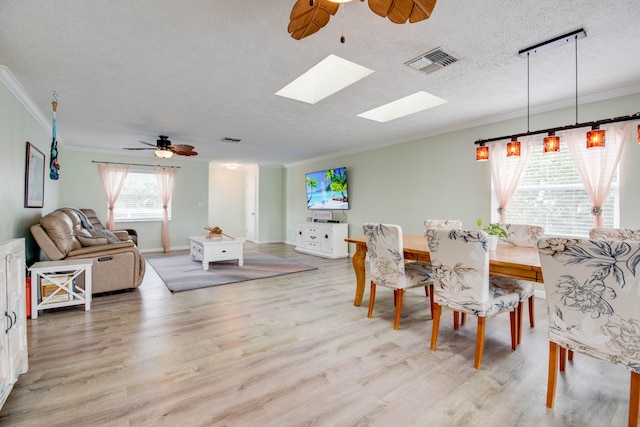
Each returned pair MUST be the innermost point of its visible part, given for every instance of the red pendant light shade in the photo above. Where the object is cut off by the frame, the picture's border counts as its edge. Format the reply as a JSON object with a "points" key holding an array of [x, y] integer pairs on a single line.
{"points": [[482, 153], [595, 138], [513, 148], [551, 143]]}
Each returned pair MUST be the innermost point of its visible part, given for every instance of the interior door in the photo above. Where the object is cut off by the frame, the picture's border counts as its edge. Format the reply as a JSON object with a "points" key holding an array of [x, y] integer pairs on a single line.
{"points": [[250, 209]]}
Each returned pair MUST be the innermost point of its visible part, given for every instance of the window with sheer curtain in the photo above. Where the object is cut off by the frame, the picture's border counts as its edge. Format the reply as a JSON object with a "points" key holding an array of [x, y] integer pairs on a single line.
{"points": [[551, 195], [140, 198]]}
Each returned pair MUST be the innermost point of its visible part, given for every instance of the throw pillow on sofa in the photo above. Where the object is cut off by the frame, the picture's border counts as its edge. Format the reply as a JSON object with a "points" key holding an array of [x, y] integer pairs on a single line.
{"points": [[111, 238], [93, 237], [85, 238]]}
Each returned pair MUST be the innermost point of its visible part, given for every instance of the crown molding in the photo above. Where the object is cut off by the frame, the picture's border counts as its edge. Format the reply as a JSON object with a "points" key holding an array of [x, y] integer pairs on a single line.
{"points": [[18, 91]]}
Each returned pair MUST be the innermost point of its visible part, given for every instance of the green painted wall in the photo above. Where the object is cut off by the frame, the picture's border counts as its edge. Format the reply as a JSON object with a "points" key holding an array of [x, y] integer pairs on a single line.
{"points": [[270, 204], [434, 177], [438, 177], [81, 187], [17, 126]]}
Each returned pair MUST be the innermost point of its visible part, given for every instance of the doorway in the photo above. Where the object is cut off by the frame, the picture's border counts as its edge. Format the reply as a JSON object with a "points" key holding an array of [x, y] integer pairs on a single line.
{"points": [[250, 208]]}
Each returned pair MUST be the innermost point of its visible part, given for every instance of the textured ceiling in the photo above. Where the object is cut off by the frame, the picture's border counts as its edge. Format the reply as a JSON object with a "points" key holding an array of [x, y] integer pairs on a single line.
{"points": [[200, 71]]}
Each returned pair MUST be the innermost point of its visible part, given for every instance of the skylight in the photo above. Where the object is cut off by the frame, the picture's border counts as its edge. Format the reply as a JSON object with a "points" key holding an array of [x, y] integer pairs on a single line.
{"points": [[402, 107], [326, 78]]}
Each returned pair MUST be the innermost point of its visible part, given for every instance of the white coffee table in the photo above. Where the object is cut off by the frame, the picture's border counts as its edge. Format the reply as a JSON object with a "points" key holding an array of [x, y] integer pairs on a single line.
{"points": [[208, 250]]}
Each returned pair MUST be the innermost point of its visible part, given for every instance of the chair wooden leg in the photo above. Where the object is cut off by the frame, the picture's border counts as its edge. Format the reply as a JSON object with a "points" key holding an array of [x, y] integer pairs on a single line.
{"points": [[532, 311], [482, 321], [519, 311], [513, 317], [372, 299], [437, 310], [634, 399], [397, 295], [459, 319], [553, 373], [563, 358], [431, 299]]}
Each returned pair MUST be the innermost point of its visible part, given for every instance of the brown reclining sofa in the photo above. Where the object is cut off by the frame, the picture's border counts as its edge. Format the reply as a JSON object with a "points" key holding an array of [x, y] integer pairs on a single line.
{"points": [[66, 234]]}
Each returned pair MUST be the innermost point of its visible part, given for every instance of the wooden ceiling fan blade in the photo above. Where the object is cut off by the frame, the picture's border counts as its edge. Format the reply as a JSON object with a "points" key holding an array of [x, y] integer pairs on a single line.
{"points": [[306, 20], [422, 10], [149, 144], [401, 11], [183, 150], [185, 153], [303, 32], [141, 148]]}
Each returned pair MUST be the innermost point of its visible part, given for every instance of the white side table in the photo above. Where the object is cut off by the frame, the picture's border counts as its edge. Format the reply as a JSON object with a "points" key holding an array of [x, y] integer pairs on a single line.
{"points": [[61, 274]]}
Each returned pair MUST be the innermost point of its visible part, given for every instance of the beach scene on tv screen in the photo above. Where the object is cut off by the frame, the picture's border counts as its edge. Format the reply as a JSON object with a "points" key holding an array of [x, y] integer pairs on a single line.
{"points": [[327, 189]]}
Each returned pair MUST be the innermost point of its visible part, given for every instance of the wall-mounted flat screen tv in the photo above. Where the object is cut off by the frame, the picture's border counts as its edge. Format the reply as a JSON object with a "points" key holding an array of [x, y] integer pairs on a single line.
{"points": [[327, 189]]}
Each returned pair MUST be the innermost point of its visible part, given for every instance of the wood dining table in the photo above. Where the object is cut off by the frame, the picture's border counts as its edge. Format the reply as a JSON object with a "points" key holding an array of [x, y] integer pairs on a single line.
{"points": [[507, 260]]}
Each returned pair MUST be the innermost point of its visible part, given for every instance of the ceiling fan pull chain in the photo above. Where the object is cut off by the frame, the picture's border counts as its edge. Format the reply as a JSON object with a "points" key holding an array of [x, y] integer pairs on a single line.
{"points": [[342, 39]]}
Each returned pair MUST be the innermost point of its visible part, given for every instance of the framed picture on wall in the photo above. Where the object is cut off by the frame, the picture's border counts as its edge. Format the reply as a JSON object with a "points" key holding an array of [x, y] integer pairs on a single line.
{"points": [[34, 178]]}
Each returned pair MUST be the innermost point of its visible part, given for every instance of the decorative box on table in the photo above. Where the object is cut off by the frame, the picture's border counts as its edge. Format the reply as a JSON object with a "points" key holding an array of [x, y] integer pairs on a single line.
{"points": [[48, 288]]}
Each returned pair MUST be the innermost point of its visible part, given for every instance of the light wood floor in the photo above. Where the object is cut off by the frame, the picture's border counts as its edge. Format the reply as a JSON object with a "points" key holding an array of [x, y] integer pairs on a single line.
{"points": [[293, 351]]}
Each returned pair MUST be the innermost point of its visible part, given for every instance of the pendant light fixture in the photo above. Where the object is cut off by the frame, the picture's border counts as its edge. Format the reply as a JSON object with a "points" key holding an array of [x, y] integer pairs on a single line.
{"points": [[513, 148], [482, 152], [551, 143], [595, 137]]}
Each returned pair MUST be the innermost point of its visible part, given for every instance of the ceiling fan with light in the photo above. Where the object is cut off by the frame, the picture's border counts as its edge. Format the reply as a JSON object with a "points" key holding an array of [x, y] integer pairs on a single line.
{"points": [[308, 16], [164, 149]]}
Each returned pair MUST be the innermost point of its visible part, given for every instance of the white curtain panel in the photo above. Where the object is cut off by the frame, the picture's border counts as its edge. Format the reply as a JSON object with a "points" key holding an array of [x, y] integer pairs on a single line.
{"points": [[113, 177], [506, 172], [597, 166]]}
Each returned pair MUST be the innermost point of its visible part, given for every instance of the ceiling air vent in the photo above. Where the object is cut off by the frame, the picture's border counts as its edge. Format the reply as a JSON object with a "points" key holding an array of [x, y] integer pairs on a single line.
{"points": [[231, 140], [431, 61]]}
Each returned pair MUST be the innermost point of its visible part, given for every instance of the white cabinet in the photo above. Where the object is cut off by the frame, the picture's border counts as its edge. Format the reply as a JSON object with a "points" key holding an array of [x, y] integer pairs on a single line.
{"points": [[323, 239], [13, 342]]}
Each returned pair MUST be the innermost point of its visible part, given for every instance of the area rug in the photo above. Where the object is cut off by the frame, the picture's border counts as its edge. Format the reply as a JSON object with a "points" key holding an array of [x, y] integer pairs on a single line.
{"points": [[180, 273]]}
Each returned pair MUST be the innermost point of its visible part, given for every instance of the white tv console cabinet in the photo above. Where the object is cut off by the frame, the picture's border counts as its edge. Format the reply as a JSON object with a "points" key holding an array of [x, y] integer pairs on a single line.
{"points": [[323, 239]]}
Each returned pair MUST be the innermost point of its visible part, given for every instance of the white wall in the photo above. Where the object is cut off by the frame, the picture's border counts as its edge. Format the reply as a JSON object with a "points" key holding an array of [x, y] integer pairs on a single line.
{"points": [[227, 200], [227, 207], [438, 177]]}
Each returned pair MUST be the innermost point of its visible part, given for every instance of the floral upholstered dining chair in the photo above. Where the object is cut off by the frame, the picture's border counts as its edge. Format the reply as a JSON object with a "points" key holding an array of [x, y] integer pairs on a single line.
{"points": [[442, 224], [461, 281], [387, 266], [614, 234], [593, 299], [524, 236]]}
